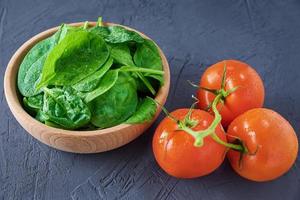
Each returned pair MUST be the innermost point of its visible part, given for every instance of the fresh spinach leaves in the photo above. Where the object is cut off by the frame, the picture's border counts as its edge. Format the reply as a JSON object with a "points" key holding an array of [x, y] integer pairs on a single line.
{"points": [[117, 104], [86, 78], [117, 34], [77, 56], [90, 83], [65, 108], [34, 102], [121, 54], [49, 123], [144, 113], [41, 116], [31, 66], [105, 84], [147, 56]]}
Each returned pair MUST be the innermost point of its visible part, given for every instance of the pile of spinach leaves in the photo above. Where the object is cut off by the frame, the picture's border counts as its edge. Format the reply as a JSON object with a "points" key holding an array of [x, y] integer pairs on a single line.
{"points": [[87, 78]]}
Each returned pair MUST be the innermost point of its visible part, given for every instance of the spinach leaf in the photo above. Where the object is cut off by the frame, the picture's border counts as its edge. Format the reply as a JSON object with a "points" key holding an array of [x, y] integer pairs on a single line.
{"points": [[145, 112], [49, 123], [117, 104], [31, 66], [34, 103], [90, 83], [65, 29], [102, 31], [77, 56], [88, 127], [65, 108], [121, 54], [41, 116], [117, 34], [143, 82], [105, 84], [147, 56]]}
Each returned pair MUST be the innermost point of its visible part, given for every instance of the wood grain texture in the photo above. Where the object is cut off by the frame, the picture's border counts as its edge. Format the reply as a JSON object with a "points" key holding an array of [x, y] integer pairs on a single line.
{"points": [[193, 35], [75, 141]]}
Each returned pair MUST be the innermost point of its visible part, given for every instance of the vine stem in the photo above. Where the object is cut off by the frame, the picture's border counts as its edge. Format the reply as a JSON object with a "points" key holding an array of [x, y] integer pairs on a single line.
{"points": [[229, 145], [200, 135], [210, 131]]}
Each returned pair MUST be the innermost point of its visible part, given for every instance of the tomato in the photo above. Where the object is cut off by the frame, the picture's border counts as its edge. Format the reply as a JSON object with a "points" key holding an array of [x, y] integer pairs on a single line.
{"points": [[249, 94], [175, 152], [271, 141]]}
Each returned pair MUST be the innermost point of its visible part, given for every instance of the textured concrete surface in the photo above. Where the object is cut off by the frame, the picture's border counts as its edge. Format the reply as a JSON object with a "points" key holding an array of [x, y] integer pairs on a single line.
{"points": [[193, 34]]}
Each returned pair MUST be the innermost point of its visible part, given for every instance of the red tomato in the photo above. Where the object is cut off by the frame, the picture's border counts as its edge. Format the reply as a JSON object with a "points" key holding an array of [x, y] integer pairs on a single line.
{"points": [[271, 141], [249, 94], [175, 152]]}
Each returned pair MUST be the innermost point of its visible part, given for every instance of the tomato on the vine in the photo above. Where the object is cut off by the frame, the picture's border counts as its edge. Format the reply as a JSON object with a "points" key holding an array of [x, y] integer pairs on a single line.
{"points": [[175, 150], [271, 143], [191, 143], [243, 89]]}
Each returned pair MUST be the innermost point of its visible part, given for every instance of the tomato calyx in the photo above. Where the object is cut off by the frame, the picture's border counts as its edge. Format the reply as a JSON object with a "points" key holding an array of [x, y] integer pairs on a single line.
{"points": [[218, 92], [188, 121], [222, 92]]}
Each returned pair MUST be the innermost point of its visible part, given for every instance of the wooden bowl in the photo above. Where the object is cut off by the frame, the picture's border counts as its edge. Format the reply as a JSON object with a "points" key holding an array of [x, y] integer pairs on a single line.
{"points": [[74, 141]]}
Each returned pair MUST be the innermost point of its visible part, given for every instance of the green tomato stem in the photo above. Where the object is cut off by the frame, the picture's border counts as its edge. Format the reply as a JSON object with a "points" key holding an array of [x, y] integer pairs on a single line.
{"points": [[210, 131], [229, 145], [188, 121], [200, 135]]}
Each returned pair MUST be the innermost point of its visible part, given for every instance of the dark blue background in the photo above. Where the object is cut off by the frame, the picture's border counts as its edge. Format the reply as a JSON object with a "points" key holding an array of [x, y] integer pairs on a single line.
{"points": [[193, 35]]}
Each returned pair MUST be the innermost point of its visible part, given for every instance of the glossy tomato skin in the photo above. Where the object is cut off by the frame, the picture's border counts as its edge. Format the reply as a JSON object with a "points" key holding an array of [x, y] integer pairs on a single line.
{"points": [[250, 93], [270, 138], [175, 151]]}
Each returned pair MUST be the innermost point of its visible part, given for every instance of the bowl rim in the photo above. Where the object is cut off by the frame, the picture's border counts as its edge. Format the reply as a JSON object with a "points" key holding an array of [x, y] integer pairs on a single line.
{"points": [[10, 86]]}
